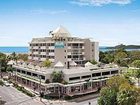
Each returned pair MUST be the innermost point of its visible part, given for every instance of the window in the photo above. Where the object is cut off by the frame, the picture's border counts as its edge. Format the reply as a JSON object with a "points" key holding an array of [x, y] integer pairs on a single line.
{"points": [[42, 77], [74, 78], [69, 56], [23, 72], [51, 44], [114, 72], [35, 75], [28, 73], [96, 74], [86, 76], [106, 73], [18, 70]]}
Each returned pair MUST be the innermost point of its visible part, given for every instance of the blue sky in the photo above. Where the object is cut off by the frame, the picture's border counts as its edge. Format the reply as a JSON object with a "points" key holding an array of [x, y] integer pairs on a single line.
{"points": [[110, 22]]}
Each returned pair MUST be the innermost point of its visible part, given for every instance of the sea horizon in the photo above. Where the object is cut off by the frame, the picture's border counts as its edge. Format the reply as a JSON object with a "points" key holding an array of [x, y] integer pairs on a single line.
{"points": [[25, 49]]}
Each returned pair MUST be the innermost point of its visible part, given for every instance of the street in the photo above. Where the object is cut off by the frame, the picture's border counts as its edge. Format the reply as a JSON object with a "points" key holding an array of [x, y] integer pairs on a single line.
{"points": [[15, 97]]}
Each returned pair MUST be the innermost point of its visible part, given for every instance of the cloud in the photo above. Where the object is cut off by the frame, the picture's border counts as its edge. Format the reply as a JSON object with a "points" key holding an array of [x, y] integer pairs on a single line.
{"points": [[50, 12], [100, 2]]}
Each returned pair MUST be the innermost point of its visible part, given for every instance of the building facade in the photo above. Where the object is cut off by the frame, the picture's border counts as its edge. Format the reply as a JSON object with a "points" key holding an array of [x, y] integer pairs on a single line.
{"points": [[79, 80], [61, 46]]}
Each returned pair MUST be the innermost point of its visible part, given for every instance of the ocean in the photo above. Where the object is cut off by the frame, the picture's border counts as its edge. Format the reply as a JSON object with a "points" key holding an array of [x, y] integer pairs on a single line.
{"points": [[25, 49], [14, 49]]}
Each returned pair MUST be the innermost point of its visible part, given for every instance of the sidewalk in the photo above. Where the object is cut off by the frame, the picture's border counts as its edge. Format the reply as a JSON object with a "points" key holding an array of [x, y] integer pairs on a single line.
{"points": [[51, 102], [84, 98]]}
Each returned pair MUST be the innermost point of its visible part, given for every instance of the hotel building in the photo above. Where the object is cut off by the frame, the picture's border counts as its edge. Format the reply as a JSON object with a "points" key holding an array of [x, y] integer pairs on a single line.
{"points": [[61, 46], [70, 56]]}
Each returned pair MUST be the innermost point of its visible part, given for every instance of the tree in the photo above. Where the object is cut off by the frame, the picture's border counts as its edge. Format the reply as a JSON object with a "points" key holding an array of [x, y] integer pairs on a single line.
{"points": [[119, 57], [14, 56], [136, 63], [108, 96], [9, 69], [23, 57], [46, 63], [134, 55], [93, 62], [127, 95], [116, 81], [3, 62], [101, 56], [119, 91], [106, 57], [137, 75], [57, 76]]}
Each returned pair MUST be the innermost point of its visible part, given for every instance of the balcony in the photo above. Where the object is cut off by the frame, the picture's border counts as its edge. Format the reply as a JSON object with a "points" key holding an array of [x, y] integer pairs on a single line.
{"points": [[51, 47], [43, 47], [51, 53], [35, 52], [43, 53], [69, 53], [76, 53], [42, 59], [52, 60], [69, 47], [35, 47], [69, 59]]}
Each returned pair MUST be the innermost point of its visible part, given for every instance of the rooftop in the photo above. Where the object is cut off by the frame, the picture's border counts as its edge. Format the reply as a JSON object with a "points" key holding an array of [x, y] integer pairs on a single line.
{"points": [[60, 32]]}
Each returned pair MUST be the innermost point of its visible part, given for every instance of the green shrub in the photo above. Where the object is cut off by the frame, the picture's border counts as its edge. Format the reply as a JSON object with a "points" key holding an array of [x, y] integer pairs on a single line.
{"points": [[22, 89], [1, 83]]}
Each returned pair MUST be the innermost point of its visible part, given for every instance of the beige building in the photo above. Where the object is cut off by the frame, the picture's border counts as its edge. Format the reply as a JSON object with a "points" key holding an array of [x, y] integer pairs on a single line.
{"points": [[78, 80], [61, 46]]}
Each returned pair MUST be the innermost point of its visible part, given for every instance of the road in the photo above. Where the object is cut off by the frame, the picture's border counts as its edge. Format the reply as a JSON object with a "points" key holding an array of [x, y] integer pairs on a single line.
{"points": [[15, 97]]}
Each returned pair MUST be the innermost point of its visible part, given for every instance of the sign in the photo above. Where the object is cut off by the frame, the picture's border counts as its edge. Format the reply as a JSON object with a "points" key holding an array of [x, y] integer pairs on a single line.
{"points": [[59, 45]]}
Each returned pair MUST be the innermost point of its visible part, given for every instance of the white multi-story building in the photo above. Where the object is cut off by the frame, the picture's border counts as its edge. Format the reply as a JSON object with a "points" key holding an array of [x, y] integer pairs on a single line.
{"points": [[61, 46], [70, 56]]}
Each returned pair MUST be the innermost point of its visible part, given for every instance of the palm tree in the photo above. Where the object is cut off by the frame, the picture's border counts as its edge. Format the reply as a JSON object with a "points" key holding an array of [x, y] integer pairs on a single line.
{"points": [[14, 56]]}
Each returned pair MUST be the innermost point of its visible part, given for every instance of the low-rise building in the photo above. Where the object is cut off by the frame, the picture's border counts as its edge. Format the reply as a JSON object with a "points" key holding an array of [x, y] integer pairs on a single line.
{"points": [[78, 80]]}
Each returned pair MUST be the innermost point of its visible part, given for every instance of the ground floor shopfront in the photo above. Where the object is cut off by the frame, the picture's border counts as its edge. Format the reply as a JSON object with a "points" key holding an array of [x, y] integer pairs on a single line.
{"points": [[58, 89]]}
